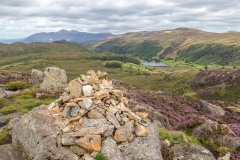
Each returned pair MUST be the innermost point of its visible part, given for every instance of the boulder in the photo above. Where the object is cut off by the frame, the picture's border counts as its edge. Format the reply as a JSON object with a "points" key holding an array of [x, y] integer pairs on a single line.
{"points": [[147, 148], [211, 108], [37, 133], [191, 152], [2, 91], [36, 77], [54, 80]]}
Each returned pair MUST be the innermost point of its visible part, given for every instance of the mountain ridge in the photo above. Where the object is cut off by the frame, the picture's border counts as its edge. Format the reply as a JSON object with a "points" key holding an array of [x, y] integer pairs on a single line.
{"points": [[68, 35]]}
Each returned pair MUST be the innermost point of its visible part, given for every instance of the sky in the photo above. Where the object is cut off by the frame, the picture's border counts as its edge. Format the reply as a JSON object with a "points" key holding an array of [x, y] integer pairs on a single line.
{"points": [[21, 18]]}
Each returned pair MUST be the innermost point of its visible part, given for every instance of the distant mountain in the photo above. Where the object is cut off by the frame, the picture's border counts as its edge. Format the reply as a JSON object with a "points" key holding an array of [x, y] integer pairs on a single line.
{"points": [[188, 44], [9, 41], [70, 36]]}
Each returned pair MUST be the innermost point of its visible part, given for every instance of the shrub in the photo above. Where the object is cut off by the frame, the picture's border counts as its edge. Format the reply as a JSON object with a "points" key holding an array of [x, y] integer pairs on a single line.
{"points": [[113, 65], [100, 156], [13, 86], [223, 150]]}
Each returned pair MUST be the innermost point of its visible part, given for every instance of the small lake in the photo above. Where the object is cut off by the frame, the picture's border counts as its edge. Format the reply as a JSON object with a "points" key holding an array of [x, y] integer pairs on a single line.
{"points": [[155, 64]]}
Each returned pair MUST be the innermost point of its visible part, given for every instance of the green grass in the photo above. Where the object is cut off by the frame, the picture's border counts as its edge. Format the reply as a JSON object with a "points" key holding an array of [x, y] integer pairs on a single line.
{"points": [[17, 85], [228, 93], [3, 133], [23, 102], [165, 134]]}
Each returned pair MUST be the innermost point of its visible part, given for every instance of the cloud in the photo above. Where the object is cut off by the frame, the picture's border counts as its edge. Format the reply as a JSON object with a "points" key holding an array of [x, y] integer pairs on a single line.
{"points": [[20, 18]]}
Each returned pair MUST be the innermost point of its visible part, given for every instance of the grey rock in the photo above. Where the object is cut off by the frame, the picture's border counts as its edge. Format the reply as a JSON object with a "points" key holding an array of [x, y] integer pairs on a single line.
{"points": [[111, 150], [147, 148], [85, 103], [52, 105], [82, 111], [54, 80], [111, 117], [68, 140], [2, 91], [87, 90], [67, 111], [36, 77], [78, 150], [36, 134], [211, 108], [227, 156], [113, 109], [191, 152], [88, 157], [94, 114], [94, 122], [74, 111], [10, 152]]}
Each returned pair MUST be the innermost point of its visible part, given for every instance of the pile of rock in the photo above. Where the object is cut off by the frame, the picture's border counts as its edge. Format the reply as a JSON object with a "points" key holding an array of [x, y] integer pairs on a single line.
{"points": [[98, 119]]}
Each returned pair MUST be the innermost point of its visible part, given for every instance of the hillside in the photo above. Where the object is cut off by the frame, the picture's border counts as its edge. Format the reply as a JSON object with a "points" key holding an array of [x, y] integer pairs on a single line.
{"points": [[187, 44]]}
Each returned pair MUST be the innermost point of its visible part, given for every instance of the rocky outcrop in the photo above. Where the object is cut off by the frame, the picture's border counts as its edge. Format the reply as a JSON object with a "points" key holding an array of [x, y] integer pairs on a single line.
{"points": [[91, 116], [37, 134], [2, 91]]}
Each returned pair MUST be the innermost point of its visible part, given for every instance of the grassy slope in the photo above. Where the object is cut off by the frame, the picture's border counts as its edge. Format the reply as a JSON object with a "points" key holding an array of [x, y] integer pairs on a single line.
{"points": [[214, 48]]}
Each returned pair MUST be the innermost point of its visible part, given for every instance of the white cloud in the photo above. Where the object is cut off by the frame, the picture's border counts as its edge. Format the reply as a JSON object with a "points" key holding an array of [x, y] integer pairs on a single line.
{"points": [[19, 18]]}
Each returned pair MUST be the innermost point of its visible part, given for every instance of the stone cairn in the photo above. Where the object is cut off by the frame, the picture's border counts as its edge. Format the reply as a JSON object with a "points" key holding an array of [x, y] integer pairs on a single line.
{"points": [[96, 111]]}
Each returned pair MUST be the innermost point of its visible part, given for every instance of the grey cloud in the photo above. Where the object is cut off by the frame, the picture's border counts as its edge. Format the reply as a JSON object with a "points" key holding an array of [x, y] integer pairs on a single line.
{"points": [[24, 17]]}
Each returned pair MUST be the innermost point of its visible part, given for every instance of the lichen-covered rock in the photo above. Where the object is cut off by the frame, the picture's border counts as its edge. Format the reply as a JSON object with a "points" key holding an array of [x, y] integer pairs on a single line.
{"points": [[36, 133], [36, 77], [191, 152], [147, 148], [54, 80]]}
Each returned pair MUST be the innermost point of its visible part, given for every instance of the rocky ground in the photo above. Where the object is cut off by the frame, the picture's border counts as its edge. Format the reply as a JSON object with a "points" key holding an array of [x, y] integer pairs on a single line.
{"points": [[128, 116]]}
